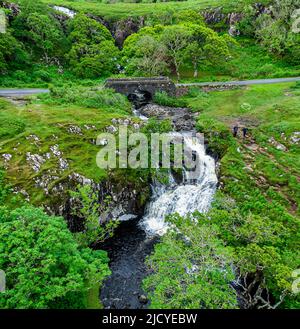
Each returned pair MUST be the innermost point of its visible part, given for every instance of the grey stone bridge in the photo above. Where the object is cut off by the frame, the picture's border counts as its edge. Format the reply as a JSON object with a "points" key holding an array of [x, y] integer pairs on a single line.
{"points": [[146, 86]]}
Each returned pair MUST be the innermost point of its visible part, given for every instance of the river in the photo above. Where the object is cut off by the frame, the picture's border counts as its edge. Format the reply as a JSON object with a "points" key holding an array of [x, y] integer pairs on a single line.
{"points": [[134, 240]]}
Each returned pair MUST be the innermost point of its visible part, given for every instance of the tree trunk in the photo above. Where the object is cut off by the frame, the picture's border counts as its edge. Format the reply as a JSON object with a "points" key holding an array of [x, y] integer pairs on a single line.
{"points": [[178, 75], [177, 71], [195, 70]]}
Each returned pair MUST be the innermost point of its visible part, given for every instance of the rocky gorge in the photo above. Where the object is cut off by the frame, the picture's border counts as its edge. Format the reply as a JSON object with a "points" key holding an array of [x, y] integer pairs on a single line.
{"points": [[122, 28]]}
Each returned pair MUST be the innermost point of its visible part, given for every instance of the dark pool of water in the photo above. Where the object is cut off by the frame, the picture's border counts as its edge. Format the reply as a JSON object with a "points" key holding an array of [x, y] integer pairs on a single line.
{"points": [[127, 251]]}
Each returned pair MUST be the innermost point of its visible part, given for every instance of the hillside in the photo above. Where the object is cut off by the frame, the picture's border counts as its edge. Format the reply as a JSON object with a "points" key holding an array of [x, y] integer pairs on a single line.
{"points": [[122, 10], [97, 210]]}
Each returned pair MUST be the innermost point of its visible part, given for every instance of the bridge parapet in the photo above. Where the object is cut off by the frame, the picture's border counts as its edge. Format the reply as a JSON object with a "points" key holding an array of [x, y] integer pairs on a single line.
{"points": [[129, 86]]}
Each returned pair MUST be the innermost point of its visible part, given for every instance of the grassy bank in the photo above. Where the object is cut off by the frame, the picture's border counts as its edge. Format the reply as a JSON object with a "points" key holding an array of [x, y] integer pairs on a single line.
{"points": [[268, 159], [248, 61], [59, 130], [123, 10]]}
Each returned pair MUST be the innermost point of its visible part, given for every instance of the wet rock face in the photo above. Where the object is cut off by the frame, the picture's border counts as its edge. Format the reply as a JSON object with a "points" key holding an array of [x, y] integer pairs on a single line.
{"points": [[124, 199], [13, 7], [123, 29], [181, 118], [217, 15]]}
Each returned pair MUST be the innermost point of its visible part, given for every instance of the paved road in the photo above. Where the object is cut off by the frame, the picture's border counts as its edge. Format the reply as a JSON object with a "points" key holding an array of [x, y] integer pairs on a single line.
{"points": [[25, 92], [21, 92], [240, 83]]}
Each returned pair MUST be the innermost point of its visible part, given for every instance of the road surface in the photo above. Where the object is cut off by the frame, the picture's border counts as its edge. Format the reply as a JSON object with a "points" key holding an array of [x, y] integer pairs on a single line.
{"points": [[21, 92], [27, 92], [240, 83]]}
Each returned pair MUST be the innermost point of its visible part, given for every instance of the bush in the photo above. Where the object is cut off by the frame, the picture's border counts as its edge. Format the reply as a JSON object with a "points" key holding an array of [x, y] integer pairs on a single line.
{"points": [[195, 92], [217, 134], [162, 98], [43, 75], [44, 266], [21, 76], [99, 98]]}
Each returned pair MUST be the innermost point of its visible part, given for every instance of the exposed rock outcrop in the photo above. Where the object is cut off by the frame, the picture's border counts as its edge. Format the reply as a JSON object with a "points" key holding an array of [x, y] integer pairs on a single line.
{"points": [[13, 7], [181, 118], [124, 28], [217, 16]]}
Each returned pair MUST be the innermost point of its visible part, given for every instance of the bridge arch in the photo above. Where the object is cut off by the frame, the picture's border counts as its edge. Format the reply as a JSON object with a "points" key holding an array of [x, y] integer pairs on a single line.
{"points": [[146, 86], [140, 97]]}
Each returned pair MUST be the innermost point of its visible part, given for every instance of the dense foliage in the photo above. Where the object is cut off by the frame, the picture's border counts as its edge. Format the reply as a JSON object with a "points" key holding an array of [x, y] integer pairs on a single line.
{"points": [[34, 35], [188, 43], [192, 268], [277, 29], [240, 254], [256, 217], [43, 264]]}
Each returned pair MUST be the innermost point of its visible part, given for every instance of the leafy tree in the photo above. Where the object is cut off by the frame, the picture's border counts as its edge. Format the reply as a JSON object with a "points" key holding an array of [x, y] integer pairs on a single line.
{"points": [[205, 47], [101, 61], [93, 52], [191, 268], [40, 32], [262, 251], [12, 54], [159, 49], [43, 264], [176, 38], [149, 57], [143, 53], [89, 210]]}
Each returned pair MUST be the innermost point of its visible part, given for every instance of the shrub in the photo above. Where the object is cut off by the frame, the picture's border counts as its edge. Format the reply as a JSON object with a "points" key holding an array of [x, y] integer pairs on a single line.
{"points": [[43, 75], [162, 98], [99, 98], [43, 264]]}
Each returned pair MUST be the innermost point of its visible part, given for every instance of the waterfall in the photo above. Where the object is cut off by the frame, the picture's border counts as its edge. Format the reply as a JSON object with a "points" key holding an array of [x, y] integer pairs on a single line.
{"points": [[70, 13], [193, 193]]}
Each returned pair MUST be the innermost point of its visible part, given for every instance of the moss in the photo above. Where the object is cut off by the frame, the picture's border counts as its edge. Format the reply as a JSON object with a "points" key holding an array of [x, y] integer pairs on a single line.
{"points": [[37, 127]]}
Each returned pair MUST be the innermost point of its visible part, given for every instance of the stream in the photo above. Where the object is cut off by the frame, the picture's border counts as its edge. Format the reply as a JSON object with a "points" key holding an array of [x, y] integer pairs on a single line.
{"points": [[134, 240]]}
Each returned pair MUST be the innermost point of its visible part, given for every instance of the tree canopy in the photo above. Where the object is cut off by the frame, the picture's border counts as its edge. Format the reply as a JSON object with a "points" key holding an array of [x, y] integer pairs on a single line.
{"points": [[159, 49], [44, 266]]}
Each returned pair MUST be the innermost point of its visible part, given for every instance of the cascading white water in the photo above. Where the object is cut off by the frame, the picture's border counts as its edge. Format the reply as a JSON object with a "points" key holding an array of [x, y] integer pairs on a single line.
{"points": [[70, 13], [194, 193]]}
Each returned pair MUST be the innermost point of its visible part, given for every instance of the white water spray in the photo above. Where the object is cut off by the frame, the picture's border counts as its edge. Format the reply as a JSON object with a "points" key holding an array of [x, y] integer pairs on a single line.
{"points": [[70, 13], [194, 193]]}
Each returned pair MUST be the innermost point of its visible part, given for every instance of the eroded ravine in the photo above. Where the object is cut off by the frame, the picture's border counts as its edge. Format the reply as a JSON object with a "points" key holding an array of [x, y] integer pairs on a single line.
{"points": [[134, 240]]}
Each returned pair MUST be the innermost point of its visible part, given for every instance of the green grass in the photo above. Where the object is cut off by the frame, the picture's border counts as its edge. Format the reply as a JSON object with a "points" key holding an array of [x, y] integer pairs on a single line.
{"points": [[50, 123], [122, 10], [249, 61], [93, 300], [43, 76], [255, 164]]}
